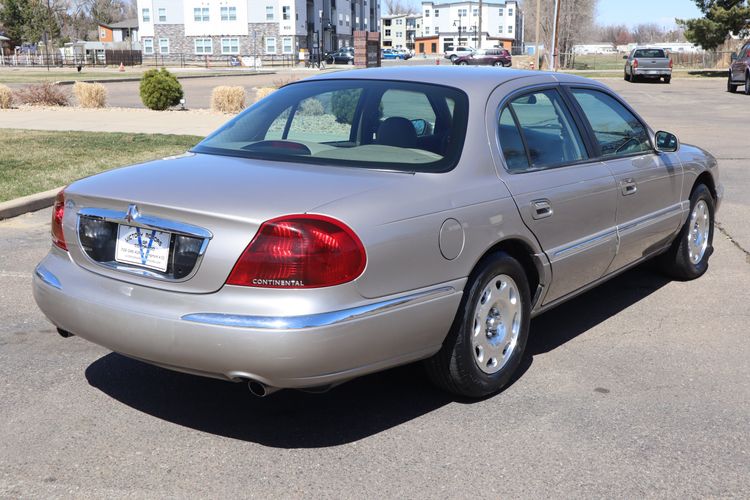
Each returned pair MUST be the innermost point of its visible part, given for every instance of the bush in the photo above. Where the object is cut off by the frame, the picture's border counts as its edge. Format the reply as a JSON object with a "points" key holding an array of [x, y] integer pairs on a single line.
{"points": [[42, 94], [226, 99], [90, 95], [312, 107], [160, 89], [263, 92], [344, 103], [6, 97]]}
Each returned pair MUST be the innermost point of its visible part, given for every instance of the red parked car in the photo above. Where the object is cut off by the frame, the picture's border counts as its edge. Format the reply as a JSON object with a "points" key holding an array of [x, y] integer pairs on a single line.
{"points": [[485, 57]]}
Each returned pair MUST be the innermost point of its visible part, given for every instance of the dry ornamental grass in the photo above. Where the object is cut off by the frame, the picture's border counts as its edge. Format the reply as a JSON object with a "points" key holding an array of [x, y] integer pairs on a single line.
{"points": [[226, 99], [263, 92], [6, 97], [42, 94], [90, 95]]}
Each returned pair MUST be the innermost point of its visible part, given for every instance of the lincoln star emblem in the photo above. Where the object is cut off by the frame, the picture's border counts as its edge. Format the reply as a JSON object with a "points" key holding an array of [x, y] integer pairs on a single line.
{"points": [[133, 213]]}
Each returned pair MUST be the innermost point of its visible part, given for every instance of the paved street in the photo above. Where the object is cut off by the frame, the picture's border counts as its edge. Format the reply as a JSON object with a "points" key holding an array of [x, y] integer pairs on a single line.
{"points": [[638, 388]]}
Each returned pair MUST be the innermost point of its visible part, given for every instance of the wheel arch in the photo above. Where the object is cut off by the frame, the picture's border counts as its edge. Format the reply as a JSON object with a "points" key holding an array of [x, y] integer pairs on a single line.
{"points": [[707, 179]]}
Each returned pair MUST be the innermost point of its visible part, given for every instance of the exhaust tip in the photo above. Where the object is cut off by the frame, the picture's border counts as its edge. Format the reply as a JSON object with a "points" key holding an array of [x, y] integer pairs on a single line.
{"points": [[260, 389], [64, 333]]}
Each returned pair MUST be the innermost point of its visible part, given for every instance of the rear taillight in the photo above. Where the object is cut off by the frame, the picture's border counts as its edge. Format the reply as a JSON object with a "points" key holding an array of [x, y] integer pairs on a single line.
{"points": [[58, 211], [635, 63], [300, 251], [670, 64]]}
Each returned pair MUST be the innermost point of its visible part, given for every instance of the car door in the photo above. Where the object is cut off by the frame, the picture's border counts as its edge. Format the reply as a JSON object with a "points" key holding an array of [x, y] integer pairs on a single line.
{"points": [[739, 65], [649, 183], [566, 199]]}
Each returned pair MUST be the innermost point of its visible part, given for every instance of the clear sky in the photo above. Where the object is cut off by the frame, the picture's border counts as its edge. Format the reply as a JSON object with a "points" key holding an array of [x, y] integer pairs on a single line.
{"points": [[632, 12]]}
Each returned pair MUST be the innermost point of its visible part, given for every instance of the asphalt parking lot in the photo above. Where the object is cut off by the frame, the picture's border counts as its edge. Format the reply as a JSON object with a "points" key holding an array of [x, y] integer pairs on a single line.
{"points": [[640, 388]]}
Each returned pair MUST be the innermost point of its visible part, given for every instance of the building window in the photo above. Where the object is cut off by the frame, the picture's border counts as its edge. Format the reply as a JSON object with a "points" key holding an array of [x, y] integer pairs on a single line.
{"points": [[164, 45], [387, 32], [162, 15], [476, 12], [427, 13], [387, 22], [229, 13], [433, 47], [437, 12], [462, 12], [200, 14], [203, 46], [269, 17], [426, 30], [348, 20], [341, 19], [270, 44], [510, 29], [501, 11], [286, 45], [146, 14], [148, 45], [500, 29], [286, 13], [437, 30], [510, 12], [230, 45]]}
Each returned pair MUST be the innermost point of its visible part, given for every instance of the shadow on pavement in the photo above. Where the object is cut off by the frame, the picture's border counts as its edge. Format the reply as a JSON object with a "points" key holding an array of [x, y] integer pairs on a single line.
{"points": [[350, 412]]}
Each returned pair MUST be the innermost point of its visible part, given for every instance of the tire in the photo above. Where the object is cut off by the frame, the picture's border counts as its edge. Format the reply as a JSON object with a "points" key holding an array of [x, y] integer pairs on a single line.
{"points": [[747, 84], [479, 356], [453, 57], [462, 63], [667, 79], [688, 256], [626, 77], [497, 63], [732, 88]]}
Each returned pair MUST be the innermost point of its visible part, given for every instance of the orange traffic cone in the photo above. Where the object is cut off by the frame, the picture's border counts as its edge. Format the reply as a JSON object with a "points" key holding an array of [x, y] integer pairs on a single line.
{"points": [[122, 68]]}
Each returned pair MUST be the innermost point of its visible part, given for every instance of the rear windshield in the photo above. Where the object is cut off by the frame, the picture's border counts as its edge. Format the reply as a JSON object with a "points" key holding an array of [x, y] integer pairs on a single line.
{"points": [[653, 53], [356, 123]]}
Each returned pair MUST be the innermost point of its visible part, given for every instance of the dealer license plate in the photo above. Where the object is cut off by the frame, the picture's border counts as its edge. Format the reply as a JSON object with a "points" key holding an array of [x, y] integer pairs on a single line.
{"points": [[142, 247]]}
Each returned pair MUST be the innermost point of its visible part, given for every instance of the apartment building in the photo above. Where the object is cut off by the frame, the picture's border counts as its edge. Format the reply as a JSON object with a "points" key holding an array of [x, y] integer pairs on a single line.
{"points": [[400, 31], [252, 27], [447, 24]]}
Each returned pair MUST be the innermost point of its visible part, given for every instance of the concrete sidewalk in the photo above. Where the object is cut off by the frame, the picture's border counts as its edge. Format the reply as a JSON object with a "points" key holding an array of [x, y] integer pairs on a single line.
{"points": [[193, 122]]}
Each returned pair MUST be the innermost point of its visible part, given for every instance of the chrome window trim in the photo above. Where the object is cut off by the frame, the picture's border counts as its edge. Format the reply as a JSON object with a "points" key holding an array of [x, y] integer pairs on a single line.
{"points": [[150, 223], [316, 320]]}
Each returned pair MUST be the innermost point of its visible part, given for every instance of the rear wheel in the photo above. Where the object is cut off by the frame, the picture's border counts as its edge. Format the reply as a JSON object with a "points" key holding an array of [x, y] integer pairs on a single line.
{"points": [[453, 57], [687, 258], [667, 79], [747, 84], [462, 63], [489, 334], [626, 76], [497, 63]]}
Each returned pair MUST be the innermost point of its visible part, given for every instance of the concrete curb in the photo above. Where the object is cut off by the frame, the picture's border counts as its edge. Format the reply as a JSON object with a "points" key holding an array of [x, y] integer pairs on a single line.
{"points": [[31, 203], [138, 79]]}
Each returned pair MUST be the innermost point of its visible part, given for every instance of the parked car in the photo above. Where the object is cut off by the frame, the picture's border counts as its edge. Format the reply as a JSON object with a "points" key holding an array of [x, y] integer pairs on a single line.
{"points": [[455, 52], [344, 55], [290, 250], [485, 57], [392, 54], [739, 71], [648, 62], [405, 54]]}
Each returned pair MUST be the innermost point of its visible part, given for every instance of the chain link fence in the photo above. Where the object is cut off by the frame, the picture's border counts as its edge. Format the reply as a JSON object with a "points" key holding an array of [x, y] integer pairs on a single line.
{"points": [[706, 60]]}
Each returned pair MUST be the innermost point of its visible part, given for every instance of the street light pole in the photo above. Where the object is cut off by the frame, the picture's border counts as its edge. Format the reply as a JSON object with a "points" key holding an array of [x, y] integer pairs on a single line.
{"points": [[536, 34], [46, 32]]}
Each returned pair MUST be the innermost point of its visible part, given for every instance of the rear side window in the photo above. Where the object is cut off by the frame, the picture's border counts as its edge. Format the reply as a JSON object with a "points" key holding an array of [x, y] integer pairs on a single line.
{"points": [[616, 129], [653, 53], [547, 132]]}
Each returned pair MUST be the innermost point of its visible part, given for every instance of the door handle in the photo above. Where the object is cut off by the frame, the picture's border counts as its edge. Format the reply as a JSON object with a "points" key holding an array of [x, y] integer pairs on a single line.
{"points": [[628, 187], [541, 209]]}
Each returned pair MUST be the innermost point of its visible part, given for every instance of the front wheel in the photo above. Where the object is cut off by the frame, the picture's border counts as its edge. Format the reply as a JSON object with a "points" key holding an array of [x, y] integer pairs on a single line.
{"points": [[667, 79], [462, 63], [453, 57], [497, 63], [687, 258], [747, 84], [487, 339], [730, 86]]}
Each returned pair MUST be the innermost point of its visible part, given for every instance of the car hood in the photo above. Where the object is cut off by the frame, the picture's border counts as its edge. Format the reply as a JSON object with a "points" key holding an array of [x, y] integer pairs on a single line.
{"points": [[230, 187]]}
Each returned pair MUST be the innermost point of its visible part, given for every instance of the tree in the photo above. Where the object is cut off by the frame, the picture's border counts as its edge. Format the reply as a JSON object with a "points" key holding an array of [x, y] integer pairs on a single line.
{"points": [[721, 18], [399, 7], [648, 33], [616, 34], [575, 25], [12, 18]]}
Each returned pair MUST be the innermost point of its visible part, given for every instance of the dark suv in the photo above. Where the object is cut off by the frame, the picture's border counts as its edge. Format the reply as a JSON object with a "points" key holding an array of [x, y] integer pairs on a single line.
{"points": [[739, 71], [485, 57]]}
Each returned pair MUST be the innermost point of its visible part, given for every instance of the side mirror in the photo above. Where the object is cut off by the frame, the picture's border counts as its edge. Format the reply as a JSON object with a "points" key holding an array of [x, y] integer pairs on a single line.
{"points": [[734, 56], [666, 142], [420, 126]]}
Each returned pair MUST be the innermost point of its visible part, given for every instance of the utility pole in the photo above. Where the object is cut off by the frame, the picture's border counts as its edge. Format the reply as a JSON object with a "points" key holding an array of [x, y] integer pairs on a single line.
{"points": [[554, 35], [46, 32], [480, 24], [536, 35]]}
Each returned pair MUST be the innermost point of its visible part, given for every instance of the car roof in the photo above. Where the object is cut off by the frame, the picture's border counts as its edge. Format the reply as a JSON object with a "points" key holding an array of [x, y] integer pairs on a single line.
{"points": [[472, 80]]}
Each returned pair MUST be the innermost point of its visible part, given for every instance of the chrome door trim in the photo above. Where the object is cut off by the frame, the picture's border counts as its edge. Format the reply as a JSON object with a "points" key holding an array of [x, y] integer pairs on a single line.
{"points": [[585, 244], [652, 218], [316, 320]]}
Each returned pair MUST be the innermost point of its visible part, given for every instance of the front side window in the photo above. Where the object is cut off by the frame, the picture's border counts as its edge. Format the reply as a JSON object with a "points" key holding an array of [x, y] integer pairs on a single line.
{"points": [[617, 130], [547, 129], [230, 45], [203, 46], [353, 123]]}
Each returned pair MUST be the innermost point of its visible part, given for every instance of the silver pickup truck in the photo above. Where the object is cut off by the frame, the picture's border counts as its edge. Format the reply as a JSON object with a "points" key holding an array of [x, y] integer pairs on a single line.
{"points": [[648, 62]]}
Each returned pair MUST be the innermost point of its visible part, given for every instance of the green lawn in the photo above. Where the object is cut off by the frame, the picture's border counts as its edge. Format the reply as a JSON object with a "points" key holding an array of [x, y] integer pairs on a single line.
{"points": [[39, 76], [32, 161]]}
